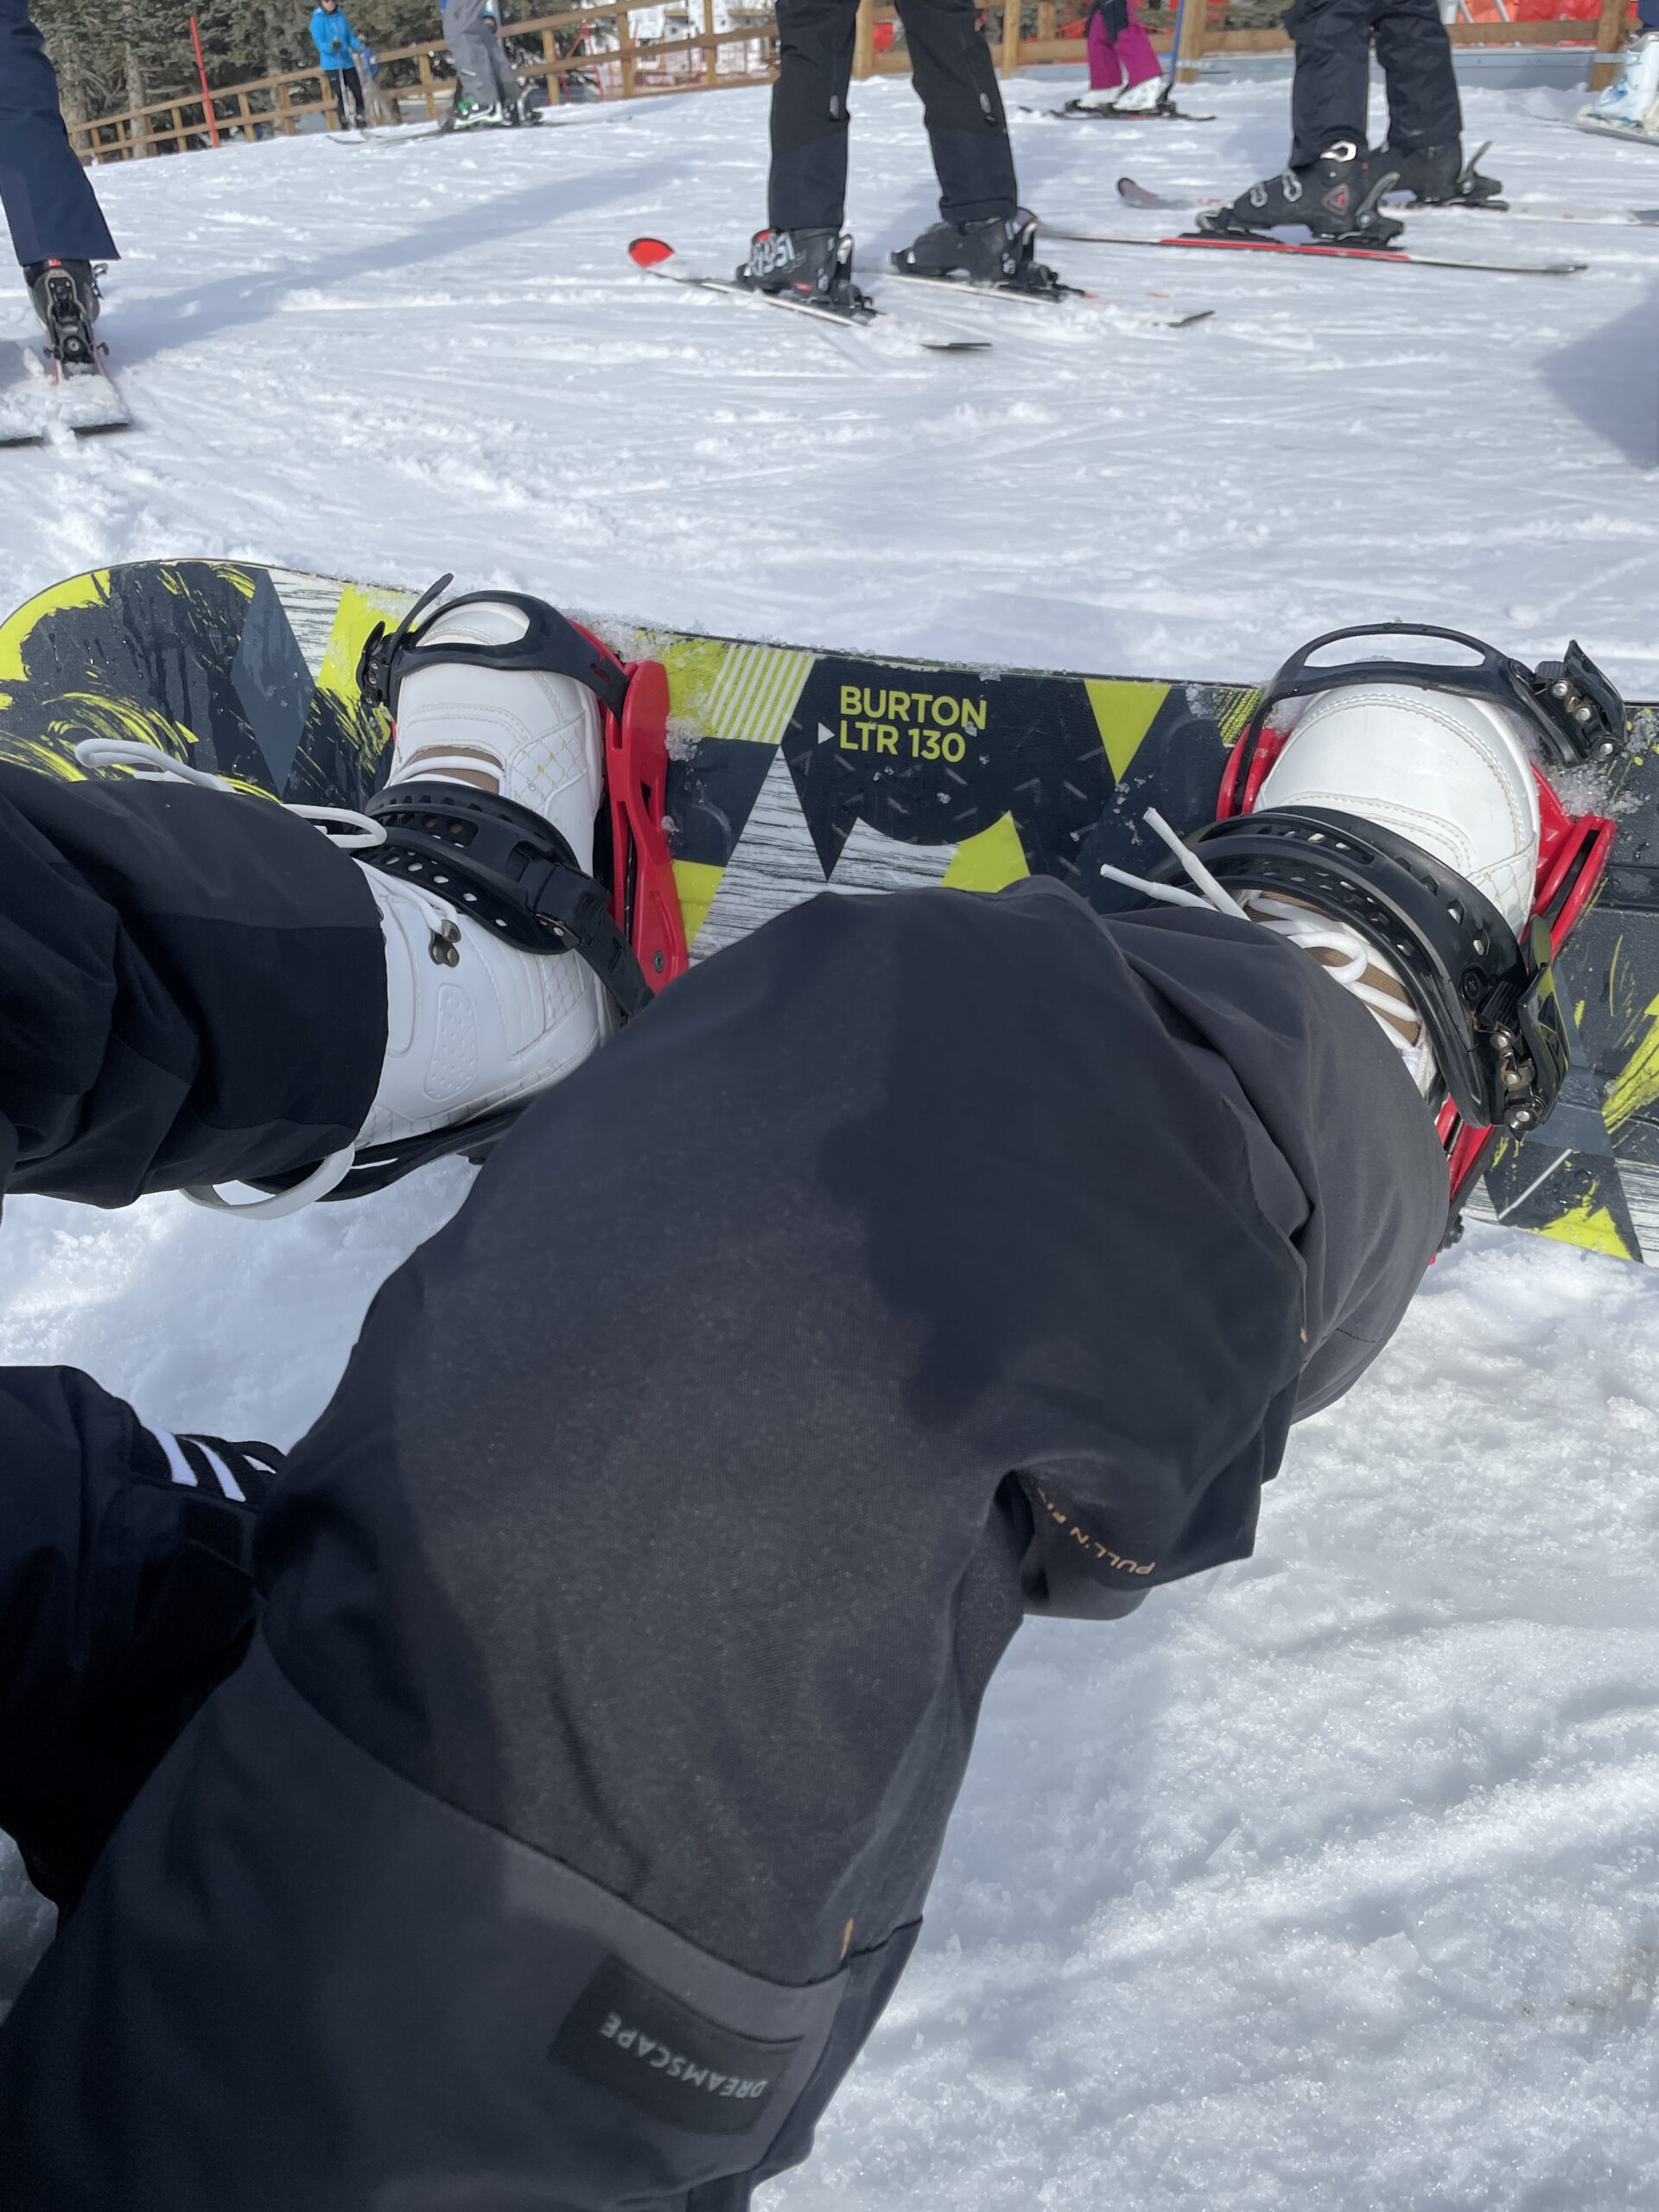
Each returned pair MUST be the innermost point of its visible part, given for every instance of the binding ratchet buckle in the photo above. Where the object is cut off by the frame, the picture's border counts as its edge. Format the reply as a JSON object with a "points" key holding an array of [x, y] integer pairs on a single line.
{"points": [[507, 866], [1490, 1000]]}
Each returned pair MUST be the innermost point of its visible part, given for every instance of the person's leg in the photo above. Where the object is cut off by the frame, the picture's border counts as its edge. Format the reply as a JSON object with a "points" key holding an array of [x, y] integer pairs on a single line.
{"points": [[51, 207], [193, 988], [508, 86], [1135, 52], [1105, 71], [197, 987], [1415, 56], [806, 186], [1119, 59], [1333, 186], [1330, 90], [126, 1595], [353, 84], [628, 1611], [953, 72], [466, 29]]}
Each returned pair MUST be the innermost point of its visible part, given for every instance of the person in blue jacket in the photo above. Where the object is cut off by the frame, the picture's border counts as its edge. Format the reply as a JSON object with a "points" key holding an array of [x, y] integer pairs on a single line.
{"points": [[57, 227], [338, 46]]}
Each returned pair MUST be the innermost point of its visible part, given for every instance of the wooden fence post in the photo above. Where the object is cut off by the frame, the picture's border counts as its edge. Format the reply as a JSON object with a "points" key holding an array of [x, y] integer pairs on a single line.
{"points": [[284, 120], [1610, 37], [864, 40], [624, 22], [1195, 23], [710, 51], [1010, 57], [428, 93], [550, 63]]}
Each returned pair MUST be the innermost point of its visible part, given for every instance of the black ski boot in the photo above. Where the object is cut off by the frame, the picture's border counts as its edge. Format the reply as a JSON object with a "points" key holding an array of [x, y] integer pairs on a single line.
{"points": [[1438, 176], [1336, 197], [814, 267], [997, 252], [65, 297]]}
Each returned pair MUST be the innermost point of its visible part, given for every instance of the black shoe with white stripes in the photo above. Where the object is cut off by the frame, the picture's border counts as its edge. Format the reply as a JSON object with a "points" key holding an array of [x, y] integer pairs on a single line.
{"points": [[242, 1473], [170, 1613]]}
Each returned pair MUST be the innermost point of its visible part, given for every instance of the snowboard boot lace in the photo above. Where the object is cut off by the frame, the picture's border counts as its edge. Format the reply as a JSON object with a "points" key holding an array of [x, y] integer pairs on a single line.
{"points": [[1342, 953]]}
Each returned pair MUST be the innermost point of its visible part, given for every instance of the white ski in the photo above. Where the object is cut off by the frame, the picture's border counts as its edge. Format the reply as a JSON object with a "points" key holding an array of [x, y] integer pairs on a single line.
{"points": [[88, 403], [961, 287], [1228, 241], [42, 401], [656, 257], [1630, 132]]}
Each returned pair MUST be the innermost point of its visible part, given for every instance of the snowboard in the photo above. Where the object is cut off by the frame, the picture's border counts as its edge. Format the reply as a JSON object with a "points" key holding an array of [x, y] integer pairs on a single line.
{"points": [[793, 769]]}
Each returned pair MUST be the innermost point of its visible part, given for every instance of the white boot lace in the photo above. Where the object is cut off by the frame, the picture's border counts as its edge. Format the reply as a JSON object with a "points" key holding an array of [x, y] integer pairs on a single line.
{"points": [[1342, 953], [351, 833]]}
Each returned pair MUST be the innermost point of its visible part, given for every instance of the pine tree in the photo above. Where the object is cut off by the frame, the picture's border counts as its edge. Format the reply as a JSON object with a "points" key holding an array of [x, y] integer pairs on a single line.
{"points": [[114, 55]]}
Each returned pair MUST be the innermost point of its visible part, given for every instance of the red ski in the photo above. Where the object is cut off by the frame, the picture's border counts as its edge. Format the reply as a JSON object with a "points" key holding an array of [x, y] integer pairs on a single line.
{"points": [[1207, 241]]}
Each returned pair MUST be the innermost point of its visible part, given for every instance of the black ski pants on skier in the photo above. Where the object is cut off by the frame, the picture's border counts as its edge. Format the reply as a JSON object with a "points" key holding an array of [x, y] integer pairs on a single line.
{"points": [[1329, 93], [558, 1833], [51, 207], [951, 66], [344, 81]]}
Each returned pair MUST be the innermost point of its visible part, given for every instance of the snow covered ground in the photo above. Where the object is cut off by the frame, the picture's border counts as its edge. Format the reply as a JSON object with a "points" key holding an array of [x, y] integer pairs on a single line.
{"points": [[1329, 1881]]}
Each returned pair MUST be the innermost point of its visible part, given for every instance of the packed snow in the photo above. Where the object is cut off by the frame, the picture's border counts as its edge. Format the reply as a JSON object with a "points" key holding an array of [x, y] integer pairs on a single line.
{"points": [[1327, 1881]]}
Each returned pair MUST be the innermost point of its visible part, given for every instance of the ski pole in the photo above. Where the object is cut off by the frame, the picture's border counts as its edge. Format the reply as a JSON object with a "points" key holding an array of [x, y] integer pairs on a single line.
{"points": [[1175, 45]]}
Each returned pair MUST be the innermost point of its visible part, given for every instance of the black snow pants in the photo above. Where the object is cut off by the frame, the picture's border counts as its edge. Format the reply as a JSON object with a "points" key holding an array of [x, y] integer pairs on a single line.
{"points": [[1328, 96], [558, 1835], [345, 81], [50, 205], [953, 72]]}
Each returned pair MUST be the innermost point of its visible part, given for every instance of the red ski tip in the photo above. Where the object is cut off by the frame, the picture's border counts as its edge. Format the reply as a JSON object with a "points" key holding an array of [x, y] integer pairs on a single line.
{"points": [[650, 253]]}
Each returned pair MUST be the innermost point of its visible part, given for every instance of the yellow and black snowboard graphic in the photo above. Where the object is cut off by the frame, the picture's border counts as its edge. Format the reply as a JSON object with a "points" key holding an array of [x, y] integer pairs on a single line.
{"points": [[793, 769]]}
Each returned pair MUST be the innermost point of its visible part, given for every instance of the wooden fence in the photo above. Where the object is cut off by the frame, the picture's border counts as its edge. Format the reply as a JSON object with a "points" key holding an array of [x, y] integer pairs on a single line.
{"points": [[593, 54]]}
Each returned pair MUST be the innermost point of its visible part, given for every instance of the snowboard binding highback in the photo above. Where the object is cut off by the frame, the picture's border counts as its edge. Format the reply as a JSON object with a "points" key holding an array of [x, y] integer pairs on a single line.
{"points": [[1487, 995]]}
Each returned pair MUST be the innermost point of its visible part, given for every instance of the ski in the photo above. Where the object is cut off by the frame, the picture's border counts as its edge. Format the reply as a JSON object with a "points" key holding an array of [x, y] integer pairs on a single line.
{"points": [[87, 402], [656, 257], [1136, 195], [1215, 244], [1072, 113], [20, 426], [22, 402], [964, 288], [1049, 296], [1630, 134], [384, 138]]}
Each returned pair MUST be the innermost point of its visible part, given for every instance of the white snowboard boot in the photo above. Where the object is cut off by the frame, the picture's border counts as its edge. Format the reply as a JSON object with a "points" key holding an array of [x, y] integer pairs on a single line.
{"points": [[1450, 772], [1142, 98], [1631, 101], [475, 1023], [1138, 100]]}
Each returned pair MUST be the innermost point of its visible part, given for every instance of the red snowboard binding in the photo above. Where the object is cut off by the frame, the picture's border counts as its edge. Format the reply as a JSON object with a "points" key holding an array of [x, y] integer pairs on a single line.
{"points": [[458, 841], [1502, 1037], [636, 873]]}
